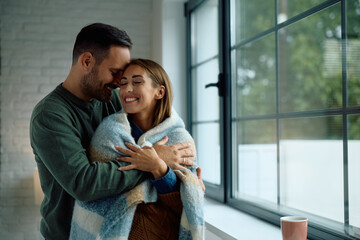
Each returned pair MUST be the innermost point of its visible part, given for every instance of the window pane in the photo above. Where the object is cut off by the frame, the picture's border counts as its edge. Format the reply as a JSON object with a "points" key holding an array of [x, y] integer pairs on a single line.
{"points": [[354, 170], [311, 166], [204, 32], [310, 62], [254, 77], [290, 8], [207, 138], [255, 167], [353, 51], [249, 18], [205, 100]]}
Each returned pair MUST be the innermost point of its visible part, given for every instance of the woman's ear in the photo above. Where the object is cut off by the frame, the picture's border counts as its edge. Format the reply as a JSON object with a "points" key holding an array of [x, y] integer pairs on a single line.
{"points": [[87, 61], [160, 92]]}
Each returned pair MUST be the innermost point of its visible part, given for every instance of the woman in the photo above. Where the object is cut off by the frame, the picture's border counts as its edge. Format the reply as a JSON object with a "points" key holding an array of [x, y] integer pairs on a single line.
{"points": [[155, 208]]}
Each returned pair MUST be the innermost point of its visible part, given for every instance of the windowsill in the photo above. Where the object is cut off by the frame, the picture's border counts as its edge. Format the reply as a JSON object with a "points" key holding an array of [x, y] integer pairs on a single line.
{"points": [[229, 224]]}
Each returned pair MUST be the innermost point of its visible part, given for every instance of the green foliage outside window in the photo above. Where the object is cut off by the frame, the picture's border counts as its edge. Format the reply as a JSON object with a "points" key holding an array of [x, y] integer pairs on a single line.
{"points": [[309, 61]]}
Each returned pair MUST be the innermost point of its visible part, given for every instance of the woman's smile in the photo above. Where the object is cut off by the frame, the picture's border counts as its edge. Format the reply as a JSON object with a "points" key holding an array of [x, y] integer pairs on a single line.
{"points": [[130, 99]]}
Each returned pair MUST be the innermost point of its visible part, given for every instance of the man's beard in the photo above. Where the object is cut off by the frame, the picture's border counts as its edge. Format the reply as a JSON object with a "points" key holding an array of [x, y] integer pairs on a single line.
{"points": [[92, 87]]}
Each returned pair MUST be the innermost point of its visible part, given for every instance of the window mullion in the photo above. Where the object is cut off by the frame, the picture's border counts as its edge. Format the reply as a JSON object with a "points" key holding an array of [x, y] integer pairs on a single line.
{"points": [[345, 116]]}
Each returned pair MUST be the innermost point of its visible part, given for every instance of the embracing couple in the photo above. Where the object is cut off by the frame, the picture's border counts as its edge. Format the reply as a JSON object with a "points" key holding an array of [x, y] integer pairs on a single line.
{"points": [[115, 164]]}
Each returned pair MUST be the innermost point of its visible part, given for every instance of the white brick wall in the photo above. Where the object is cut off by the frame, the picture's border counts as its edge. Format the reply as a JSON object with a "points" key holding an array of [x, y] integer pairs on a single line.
{"points": [[37, 37]]}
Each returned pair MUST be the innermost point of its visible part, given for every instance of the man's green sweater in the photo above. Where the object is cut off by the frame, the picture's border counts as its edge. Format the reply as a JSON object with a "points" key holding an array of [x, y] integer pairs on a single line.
{"points": [[60, 131]]}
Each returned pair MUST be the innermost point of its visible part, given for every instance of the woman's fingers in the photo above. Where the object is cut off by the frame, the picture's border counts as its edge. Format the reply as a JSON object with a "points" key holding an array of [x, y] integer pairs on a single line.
{"points": [[162, 141], [132, 147], [187, 162], [177, 166], [127, 168], [124, 159], [183, 145], [124, 150]]}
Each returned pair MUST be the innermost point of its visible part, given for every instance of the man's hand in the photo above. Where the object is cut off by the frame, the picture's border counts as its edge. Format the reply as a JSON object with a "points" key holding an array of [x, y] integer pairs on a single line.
{"points": [[174, 155], [198, 172]]}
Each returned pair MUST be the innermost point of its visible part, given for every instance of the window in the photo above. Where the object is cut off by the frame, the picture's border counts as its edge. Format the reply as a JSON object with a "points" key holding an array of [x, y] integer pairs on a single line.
{"points": [[281, 134], [205, 105]]}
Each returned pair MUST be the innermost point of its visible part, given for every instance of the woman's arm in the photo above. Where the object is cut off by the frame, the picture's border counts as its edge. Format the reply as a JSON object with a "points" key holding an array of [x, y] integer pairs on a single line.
{"points": [[177, 154], [144, 159]]}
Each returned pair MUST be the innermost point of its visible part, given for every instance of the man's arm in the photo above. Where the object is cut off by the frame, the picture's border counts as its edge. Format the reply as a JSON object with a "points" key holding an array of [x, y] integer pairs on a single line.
{"points": [[57, 143]]}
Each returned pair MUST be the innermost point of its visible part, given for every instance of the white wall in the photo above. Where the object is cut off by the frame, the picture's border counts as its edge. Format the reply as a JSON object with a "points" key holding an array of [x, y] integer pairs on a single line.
{"points": [[174, 51], [169, 47], [37, 37]]}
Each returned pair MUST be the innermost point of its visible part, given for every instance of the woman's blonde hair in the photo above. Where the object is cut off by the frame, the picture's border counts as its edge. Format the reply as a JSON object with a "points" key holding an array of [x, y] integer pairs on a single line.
{"points": [[159, 77]]}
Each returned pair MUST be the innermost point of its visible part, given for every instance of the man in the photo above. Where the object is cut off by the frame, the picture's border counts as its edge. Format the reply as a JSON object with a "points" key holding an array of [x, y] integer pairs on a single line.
{"points": [[63, 123]]}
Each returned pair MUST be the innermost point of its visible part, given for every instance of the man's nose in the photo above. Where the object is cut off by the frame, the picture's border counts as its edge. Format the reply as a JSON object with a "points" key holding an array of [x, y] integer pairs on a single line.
{"points": [[117, 83], [117, 79]]}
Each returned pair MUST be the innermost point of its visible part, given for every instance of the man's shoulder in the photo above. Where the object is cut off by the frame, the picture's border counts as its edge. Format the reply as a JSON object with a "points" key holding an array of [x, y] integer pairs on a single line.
{"points": [[52, 102]]}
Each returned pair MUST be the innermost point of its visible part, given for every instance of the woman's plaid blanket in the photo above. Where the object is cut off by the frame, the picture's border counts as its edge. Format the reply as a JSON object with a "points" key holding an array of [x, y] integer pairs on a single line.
{"points": [[111, 218]]}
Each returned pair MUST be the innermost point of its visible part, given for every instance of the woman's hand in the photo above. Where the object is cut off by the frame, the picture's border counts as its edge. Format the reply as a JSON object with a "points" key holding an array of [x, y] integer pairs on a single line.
{"points": [[174, 155], [145, 159]]}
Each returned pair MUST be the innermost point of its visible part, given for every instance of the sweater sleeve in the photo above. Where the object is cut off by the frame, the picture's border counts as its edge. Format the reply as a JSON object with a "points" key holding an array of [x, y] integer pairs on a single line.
{"points": [[57, 144], [168, 183]]}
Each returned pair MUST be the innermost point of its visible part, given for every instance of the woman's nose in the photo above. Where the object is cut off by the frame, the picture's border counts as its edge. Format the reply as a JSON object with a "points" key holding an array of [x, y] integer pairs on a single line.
{"points": [[127, 88]]}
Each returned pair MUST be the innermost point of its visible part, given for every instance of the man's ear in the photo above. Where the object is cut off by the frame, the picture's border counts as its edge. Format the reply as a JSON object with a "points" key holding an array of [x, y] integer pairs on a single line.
{"points": [[160, 92], [87, 61]]}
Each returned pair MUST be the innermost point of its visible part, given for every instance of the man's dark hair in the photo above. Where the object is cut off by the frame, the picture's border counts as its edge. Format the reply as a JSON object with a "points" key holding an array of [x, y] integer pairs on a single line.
{"points": [[97, 38]]}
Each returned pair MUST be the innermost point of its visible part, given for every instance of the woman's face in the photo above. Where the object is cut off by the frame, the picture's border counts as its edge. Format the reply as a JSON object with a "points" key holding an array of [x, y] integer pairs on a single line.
{"points": [[137, 93]]}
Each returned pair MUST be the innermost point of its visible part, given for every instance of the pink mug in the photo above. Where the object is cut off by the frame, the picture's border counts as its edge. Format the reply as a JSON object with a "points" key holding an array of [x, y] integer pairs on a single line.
{"points": [[294, 228]]}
